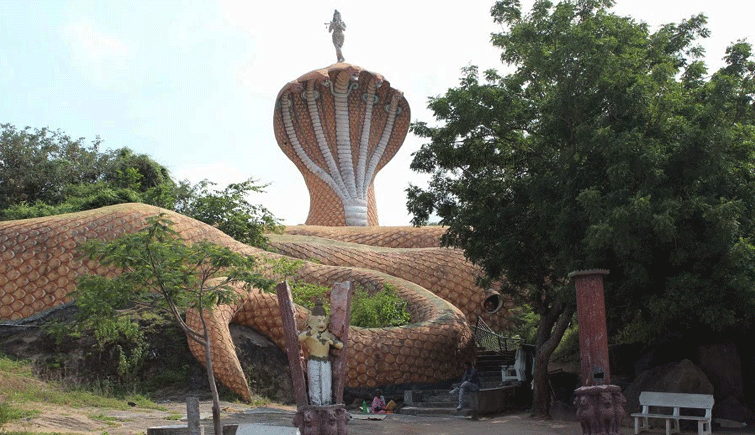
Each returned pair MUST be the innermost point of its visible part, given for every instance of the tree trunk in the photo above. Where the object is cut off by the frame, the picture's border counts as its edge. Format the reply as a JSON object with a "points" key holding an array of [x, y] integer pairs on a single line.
{"points": [[550, 331], [214, 388], [211, 379]]}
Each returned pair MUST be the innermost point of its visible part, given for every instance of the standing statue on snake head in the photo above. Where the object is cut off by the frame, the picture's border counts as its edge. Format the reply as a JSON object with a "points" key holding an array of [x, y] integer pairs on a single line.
{"points": [[317, 339], [337, 26]]}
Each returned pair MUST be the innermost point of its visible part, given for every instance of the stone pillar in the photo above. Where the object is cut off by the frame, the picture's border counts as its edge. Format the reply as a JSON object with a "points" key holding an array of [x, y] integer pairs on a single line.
{"points": [[600, 406], [192, 415], [593, 336]]}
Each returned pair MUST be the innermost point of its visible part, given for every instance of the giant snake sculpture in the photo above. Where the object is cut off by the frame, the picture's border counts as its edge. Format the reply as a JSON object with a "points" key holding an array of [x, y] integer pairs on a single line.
{"points": [[39, 260]]}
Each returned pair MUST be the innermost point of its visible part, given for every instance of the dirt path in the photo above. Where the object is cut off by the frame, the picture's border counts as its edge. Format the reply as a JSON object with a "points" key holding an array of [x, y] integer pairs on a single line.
{"points": [[137, 420]]}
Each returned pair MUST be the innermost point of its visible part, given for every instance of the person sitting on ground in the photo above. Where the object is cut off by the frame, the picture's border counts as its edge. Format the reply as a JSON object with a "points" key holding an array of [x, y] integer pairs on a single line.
{"points": [[470, 381], [378, 403]]}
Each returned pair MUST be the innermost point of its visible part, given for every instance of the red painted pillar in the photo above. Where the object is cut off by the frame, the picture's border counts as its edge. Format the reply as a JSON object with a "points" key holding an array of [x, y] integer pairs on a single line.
{"points": [[600, 406], [593, 336]]}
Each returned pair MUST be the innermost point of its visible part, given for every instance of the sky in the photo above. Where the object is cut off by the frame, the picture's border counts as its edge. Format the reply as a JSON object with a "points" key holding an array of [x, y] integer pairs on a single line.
{"points": [[193, 83]]}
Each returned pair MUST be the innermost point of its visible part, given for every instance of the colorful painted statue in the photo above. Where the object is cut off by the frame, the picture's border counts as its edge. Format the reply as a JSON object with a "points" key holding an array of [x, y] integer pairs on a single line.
{"points": [[317, 340]]}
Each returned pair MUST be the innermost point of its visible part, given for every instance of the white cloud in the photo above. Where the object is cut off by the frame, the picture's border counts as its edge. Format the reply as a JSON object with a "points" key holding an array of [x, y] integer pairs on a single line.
{"points": [[102, 58]]}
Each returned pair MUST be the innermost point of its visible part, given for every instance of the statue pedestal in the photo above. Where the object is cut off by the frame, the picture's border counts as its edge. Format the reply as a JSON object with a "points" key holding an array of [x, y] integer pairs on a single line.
{"points": [[322, 420], [600, 409]]}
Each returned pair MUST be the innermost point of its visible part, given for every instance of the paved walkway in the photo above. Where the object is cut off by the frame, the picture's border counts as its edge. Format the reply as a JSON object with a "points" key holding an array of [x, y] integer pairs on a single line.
{"points": [[503, 424]]}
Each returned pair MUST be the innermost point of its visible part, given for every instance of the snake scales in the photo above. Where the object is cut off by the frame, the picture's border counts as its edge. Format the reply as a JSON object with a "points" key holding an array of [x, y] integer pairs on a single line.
{"points": [[39, 265]]}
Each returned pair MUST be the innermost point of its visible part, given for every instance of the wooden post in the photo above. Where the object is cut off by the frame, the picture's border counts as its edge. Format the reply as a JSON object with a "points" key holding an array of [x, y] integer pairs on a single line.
{"points": [[340, 316], [293, 349]]}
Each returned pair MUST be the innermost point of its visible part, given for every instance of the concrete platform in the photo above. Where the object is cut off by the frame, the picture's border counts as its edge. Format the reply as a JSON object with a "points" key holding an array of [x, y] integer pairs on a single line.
{"points": [[263, 429]]}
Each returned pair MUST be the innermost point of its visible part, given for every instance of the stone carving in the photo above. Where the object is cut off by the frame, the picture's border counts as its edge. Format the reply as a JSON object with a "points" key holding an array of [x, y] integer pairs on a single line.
{"points": [[39, 265], [318, 340], [337, 27], [600, 409], [322, 420], [340, 126], [600, 406], [319, 417]]}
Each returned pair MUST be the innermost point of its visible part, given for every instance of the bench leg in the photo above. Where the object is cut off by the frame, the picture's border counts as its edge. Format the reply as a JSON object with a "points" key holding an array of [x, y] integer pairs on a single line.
{"points": [[675, 427], [701, 428], [668, 426], [640, 424]]}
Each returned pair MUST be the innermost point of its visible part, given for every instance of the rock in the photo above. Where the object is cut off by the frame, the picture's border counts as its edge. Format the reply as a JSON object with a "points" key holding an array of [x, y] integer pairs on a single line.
{"points": [[723, 367], [685, 377], [644, 382], [729, 424], [265, 365], [671, 349], [731, 409], [681, 377]]}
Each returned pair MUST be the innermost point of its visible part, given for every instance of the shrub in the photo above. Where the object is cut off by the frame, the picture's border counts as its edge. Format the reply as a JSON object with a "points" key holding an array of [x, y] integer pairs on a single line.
{"points": [[381, 309]]}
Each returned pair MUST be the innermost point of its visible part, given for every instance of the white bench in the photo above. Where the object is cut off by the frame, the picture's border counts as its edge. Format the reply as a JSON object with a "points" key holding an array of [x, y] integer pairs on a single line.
{"points": [[675, 402], [514, 371]]}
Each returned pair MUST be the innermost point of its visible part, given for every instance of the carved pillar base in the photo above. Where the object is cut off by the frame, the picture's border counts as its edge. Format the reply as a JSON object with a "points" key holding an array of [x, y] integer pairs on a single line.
{"points": [[600, 409], [322, 420]]}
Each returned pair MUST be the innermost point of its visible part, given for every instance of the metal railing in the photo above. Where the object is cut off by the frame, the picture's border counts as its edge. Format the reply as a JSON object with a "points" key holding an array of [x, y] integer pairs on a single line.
{"points": [[488, 339]]}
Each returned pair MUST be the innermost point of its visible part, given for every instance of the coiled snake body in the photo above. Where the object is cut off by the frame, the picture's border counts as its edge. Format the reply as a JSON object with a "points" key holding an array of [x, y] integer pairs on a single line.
{"points": [[39, 266]]}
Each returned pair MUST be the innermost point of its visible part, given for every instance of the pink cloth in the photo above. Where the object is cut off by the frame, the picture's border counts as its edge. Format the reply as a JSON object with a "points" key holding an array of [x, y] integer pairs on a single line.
{"points": [[378, 406]]}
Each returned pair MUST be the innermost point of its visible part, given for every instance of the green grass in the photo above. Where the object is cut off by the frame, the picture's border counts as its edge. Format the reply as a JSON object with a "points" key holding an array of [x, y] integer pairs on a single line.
{"points": [[18, 387], [9, 412], [110, 421], [43, 433]]}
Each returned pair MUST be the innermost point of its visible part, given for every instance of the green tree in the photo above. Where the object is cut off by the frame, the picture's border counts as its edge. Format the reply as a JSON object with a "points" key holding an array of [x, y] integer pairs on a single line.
{"points": [[230, 211], [606, 147], [36, 165], [159, 269], [47, 173]]}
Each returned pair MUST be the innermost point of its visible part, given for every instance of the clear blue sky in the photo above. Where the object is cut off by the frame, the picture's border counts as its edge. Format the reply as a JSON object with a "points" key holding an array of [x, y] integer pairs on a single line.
{"points": [[193, 83]]}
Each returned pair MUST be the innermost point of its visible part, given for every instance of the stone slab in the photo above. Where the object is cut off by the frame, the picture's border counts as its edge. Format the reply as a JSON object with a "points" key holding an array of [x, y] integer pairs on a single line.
{"points": [[262, 429], [172, 430], [368, 416]]}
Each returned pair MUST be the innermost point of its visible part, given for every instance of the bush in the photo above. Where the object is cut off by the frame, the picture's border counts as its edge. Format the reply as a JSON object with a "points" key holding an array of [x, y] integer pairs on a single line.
{"points": [[382, 309], [305, 294]]}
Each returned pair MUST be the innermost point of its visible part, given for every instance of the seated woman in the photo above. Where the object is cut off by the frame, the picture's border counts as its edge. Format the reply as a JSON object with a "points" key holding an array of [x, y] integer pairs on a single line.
{"points": [[378, 403]]}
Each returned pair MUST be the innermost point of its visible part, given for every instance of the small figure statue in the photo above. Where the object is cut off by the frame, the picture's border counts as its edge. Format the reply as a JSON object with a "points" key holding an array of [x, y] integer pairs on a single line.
{"points": [[337, 26], [317, 339]]}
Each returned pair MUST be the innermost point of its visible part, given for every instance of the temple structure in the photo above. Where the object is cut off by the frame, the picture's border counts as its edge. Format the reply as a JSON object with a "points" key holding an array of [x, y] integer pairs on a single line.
{"points": [[340, 125]]}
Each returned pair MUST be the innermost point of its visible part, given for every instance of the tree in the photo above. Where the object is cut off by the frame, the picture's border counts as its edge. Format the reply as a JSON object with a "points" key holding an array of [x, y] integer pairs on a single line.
{"points": [[37, 164], [230, 211], [157, 261], [46, 173], [606, 147]]}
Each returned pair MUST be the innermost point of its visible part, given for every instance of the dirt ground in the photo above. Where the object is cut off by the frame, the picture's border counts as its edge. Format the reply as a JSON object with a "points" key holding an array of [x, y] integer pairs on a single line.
{"points": [[137, 421]]}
